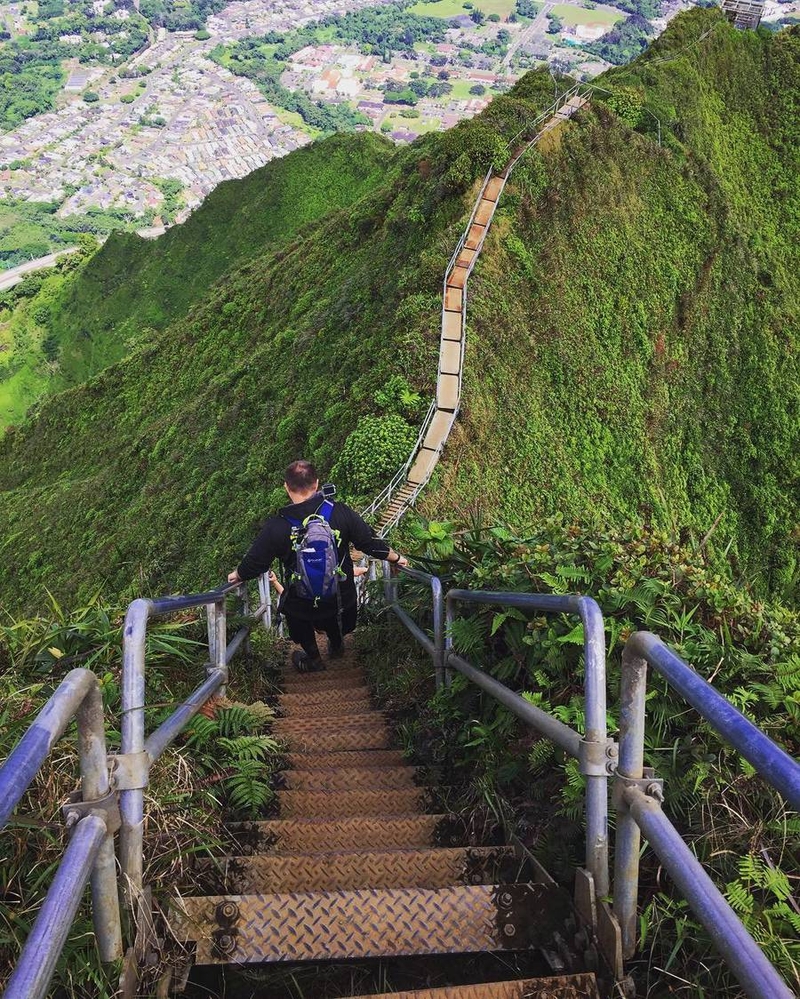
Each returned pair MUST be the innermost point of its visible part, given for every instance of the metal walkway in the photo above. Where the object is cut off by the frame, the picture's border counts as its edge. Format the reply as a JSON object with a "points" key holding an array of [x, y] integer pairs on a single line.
{"points": [[401, 493], [359, 862]]}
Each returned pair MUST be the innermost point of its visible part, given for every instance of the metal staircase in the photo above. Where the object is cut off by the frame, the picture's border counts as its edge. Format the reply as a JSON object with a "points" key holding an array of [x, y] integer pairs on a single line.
{"points": [[358, 864], [394, 500], [359, 861]]}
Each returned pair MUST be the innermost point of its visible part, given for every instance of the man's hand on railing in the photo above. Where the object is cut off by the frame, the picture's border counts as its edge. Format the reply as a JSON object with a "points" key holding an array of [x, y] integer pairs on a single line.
{"points": [[233, 577]]}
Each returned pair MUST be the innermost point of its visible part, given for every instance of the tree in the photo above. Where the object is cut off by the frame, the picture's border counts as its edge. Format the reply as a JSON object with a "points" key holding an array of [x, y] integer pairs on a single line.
{"points": [[555, 24], [443, 74], [494, 18], [478, 16], [91, 97], [478, 90], [127, 99]]}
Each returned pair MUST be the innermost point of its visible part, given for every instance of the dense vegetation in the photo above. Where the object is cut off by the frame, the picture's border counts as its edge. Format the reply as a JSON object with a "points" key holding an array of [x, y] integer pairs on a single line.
{"points": [[61, 328], [738, 827], [632, 309], [623, 42], [636, 310]]}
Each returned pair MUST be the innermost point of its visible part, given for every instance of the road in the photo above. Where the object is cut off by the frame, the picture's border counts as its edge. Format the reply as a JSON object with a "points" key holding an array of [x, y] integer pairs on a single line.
{"points": [[13, 276]]}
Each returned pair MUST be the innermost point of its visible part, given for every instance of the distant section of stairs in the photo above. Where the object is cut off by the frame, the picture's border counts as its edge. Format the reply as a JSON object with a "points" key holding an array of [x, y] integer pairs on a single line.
{"points": [[402, 492], [357, 863]]}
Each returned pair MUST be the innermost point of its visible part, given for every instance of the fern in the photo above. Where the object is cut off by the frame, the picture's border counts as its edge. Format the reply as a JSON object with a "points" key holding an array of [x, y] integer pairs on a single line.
{"points": [[248, 788], [248, 747]]}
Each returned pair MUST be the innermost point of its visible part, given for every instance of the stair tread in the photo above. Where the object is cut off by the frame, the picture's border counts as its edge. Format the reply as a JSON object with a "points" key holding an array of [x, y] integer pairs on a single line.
{"points": [[370, 922], [582, 986], [351, 803], [350, 778], [327, 761], [376, 832], [431, 867]]}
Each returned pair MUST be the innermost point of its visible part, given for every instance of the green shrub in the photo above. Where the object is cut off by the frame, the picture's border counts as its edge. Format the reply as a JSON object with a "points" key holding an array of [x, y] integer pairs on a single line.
{"points": [[374, 451]]}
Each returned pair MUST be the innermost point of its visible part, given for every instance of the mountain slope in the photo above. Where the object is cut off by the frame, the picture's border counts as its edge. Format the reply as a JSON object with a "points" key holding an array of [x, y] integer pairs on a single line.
{"points": [[631, 351], [91, 318], [650, 303]]}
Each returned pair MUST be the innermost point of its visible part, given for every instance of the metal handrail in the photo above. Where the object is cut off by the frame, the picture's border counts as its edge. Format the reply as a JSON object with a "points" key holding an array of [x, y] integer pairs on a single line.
{"points": [[90, 853], [387, 493], [593, 750], [638, 800], [137, 754], [94, 820], [638, 793]]}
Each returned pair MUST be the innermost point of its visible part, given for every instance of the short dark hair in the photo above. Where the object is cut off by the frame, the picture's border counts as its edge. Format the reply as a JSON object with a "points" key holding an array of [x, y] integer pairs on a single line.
{"points": [[300, 476]]}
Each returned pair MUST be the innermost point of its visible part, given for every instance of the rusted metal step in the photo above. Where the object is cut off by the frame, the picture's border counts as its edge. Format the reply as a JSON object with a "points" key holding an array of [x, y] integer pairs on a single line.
{"points": [[334, 696], [393, 922], [298, 708], [327, 680], [326, 761], [493, 189], [341, 740], [339, 871], [560, 987], [347, 804], [290, 727], [377, 832], [483, 216], [349, 778]]}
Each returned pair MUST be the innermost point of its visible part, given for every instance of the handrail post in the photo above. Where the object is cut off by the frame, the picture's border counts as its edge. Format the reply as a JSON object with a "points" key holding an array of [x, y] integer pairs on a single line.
{"points": [[449, 617], [132, 800], [594, 649], [217, 639], [94, 787], [244, 597], [265, 597], [631, 765], [438, 631]]}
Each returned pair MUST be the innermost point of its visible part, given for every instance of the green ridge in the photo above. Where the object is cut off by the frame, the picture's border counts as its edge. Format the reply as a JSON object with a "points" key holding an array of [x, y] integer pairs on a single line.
{"points": [[133, 285], [630, 352]]}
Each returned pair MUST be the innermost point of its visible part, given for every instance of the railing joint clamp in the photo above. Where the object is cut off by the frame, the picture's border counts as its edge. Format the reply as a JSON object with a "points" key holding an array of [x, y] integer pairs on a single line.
{"points": [[648, 784], [598, 759], [107, 808], [130, 771]]}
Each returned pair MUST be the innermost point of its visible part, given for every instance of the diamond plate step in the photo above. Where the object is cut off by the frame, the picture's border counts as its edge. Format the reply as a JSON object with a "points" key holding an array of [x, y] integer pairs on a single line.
{"points": [[288, 702], [436, 868], [394, 922], [378, 832], [346, 804], [349, 778], [561, 987], [310, 726], [341, 740], [307, 683], [354, 758], [322, 707]]}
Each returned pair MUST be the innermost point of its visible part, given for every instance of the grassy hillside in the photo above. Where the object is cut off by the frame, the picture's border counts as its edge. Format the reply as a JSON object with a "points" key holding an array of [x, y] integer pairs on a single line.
{"points": [[79, 323], [630, 349]]}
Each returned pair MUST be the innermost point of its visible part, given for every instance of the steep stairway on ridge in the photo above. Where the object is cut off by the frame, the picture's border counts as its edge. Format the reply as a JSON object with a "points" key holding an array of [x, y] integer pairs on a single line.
{"points": [[391, 507], [358, 862]]}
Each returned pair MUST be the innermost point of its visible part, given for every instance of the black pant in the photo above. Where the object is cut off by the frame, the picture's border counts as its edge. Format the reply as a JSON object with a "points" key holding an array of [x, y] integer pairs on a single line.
{"points": [[303, 631], [304, 634]]}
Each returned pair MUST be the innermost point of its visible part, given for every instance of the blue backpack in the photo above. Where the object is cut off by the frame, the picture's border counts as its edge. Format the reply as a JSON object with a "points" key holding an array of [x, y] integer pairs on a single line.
{"points": [[315, 545]]}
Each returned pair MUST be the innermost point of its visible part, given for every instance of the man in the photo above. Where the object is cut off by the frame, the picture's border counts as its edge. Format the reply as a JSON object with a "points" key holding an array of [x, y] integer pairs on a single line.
{"points": [[336, 617]]}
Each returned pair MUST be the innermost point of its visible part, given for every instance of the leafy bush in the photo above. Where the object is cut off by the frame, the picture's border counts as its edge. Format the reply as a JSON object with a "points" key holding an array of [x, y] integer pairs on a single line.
{"points": [[374, 451]]}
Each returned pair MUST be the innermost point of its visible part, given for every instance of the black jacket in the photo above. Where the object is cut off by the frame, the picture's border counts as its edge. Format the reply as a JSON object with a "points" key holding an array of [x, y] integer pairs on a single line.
{"points": [[274, 542]]}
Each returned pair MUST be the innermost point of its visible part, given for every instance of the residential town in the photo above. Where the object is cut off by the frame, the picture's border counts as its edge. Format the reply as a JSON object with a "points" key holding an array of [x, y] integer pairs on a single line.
{"points": [[171, 113]]}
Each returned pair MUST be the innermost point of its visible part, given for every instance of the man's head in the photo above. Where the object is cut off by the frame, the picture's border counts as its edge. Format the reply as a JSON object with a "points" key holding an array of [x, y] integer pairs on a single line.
{"points": [[301, 481]]}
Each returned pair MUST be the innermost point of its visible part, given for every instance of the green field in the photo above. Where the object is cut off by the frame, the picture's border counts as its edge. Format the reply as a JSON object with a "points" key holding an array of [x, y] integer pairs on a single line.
{"points": [[452, 8], [579, 15], [461, 90]]}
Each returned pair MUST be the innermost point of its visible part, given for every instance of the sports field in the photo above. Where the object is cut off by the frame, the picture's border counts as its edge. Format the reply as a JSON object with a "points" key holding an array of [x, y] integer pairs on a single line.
{"points": [[452, 8], [572, 15]]}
